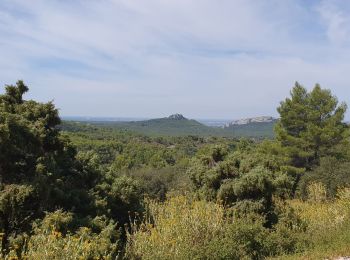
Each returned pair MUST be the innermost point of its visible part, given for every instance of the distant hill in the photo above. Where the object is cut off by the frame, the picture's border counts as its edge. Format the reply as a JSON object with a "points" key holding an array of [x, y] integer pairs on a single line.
{"points": [[174, 125], [252, 127], [178, 125]]}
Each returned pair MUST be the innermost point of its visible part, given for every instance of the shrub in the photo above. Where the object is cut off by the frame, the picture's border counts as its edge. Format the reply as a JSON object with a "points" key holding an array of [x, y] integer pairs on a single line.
{"points": [[184, 228], [332, 173], [178, 229], [317, 192], [52, 241]]}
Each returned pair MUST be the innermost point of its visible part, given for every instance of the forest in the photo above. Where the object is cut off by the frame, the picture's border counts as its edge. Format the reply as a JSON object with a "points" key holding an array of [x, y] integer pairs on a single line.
{"points": [[72, 190]]}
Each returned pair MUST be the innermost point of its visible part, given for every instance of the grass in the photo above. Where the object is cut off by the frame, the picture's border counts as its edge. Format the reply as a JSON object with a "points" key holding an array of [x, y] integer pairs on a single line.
{"points": [[328, 227], [329, 245], [184, 228], [174, 229]]}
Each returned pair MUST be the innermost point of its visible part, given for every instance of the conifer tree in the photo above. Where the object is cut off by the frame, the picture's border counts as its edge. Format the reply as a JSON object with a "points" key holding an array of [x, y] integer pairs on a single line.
{"points": [[311, 125]]}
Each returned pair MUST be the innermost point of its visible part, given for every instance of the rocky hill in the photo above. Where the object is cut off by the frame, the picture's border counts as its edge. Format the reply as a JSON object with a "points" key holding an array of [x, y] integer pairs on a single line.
{"points": [[173, 125], [246, 121], [252, 127]]}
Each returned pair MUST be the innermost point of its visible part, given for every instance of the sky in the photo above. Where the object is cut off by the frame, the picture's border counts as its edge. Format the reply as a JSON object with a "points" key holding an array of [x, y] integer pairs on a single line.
{"points": [[224, 59]]}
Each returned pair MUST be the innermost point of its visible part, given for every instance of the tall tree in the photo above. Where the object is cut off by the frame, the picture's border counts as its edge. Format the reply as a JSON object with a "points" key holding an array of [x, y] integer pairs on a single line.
{"points": [[38, 167], [311, 125]]}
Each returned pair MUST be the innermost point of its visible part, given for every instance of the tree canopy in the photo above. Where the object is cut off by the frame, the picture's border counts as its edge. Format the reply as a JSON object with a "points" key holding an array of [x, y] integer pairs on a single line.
{"points": [[311, 125]]}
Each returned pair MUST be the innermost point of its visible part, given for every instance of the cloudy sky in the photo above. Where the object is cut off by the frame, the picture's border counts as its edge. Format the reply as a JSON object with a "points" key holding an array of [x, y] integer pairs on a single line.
{"points": [[203, 58]]}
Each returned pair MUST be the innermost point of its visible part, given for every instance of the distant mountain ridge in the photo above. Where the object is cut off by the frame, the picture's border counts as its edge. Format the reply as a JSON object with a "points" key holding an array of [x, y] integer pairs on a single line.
{"points": [[178, 125]]}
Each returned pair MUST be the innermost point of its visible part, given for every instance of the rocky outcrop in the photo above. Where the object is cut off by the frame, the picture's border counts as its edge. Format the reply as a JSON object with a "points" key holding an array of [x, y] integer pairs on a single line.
{"points": [[245, 121], [177, 117]]}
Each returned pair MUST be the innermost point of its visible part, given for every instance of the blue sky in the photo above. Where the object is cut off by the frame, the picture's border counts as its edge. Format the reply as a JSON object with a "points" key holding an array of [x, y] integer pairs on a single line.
{"points": [[202, 58]]}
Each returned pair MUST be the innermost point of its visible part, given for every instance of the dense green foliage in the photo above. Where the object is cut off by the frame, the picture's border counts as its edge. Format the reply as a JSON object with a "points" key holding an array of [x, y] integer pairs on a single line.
{"points": [[311, 125], [94, 191], [40, 172]]}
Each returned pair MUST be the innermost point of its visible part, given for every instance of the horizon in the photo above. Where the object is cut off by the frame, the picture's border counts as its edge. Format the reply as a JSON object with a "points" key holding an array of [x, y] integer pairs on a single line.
{"points": [[112, 118], [149, 59]]}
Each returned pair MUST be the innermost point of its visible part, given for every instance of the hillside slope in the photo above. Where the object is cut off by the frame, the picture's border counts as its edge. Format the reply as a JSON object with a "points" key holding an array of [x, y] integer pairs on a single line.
{"points": [[174, 125], [178, 125]]}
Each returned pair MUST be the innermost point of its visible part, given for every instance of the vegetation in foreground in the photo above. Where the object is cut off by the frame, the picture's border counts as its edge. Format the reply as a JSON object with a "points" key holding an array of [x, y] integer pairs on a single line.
{"points": [[93, 192], [186, 228]]}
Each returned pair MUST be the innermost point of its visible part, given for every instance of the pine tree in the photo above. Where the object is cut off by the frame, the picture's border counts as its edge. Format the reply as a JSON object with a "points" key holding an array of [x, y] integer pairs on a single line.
{"points": [[311, 125]]}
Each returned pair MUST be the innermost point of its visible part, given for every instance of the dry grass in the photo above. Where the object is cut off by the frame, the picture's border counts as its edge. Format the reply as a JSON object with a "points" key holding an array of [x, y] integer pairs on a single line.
{"points": [[328, 226], [174, 229]]}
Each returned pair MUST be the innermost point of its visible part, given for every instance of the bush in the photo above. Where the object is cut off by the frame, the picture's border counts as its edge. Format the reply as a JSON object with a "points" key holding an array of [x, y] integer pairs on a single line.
{"points": [[178, 229], [332, 173], [184, 228], [51, 240], [328, 225]]}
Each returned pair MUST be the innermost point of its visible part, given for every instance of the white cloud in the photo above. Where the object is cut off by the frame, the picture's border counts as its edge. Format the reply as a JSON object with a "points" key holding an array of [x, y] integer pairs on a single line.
{"points": [[148, 58], [337, 21]]}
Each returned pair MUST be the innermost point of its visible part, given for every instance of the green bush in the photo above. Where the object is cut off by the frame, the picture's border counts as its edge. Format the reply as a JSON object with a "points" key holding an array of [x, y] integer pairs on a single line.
{"points": [[332, 173], [184, 228]]}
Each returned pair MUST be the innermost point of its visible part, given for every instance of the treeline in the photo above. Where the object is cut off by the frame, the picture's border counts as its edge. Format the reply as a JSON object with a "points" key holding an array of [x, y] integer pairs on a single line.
{"points": [[71, 190]]}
